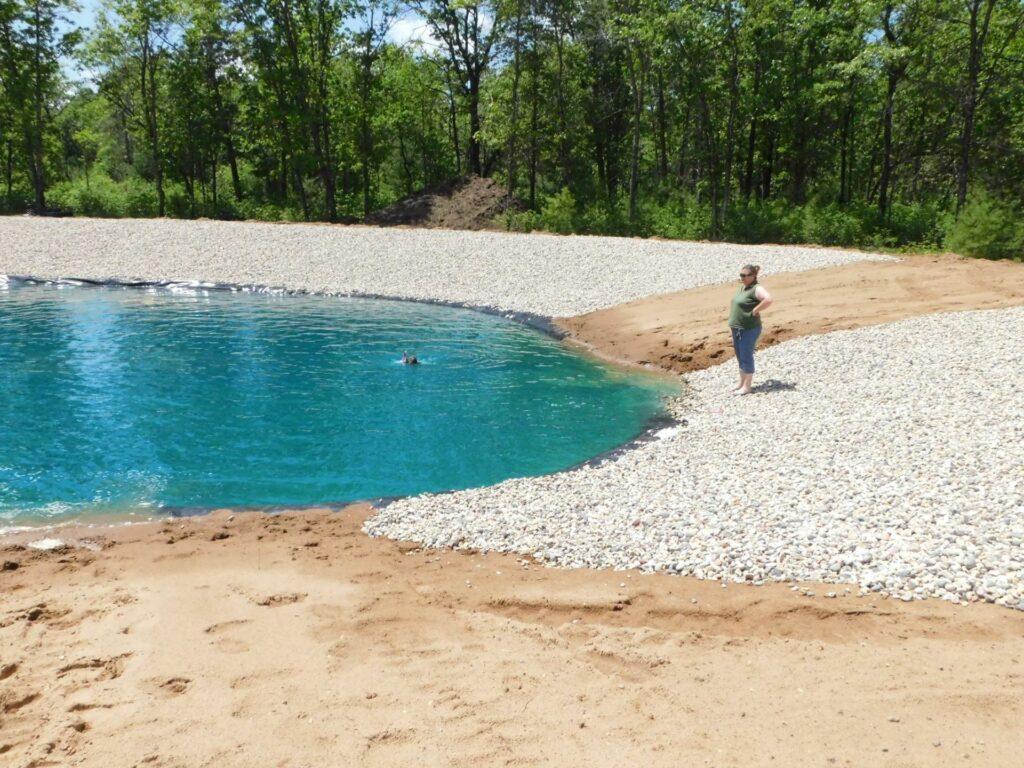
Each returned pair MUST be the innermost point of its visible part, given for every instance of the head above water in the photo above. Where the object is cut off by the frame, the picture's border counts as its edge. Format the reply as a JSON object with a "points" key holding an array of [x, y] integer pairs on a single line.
{"points": [[748, 273]]}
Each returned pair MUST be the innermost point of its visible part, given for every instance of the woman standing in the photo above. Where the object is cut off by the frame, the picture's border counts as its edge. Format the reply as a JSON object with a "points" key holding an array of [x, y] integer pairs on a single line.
{"points": [[745, 323]]}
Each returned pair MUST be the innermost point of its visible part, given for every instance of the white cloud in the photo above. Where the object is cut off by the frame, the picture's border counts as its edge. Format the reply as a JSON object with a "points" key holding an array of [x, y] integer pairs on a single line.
{"points": [[412, 30]]}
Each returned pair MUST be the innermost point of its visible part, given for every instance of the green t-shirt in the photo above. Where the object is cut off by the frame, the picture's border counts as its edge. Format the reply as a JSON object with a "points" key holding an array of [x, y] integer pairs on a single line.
{"points": [[743, 304]]}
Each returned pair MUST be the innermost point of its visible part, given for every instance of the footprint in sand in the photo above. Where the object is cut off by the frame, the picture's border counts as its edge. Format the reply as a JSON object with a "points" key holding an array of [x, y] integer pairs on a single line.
{"points": [[230, 645], [168, 687], [224, 626], [85, 672], [271, 599], [176, 685], [13, 702], [227, 644], [284, 598]]}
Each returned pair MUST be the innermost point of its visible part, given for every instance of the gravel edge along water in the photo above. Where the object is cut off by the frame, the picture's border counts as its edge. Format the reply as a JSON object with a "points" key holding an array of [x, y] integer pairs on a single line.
{"points": [[546, 275], [888, 458]]}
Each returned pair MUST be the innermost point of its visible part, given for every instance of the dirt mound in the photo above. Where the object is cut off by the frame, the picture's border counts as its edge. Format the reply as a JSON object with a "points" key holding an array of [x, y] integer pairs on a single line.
{"points": [[467, 202]]}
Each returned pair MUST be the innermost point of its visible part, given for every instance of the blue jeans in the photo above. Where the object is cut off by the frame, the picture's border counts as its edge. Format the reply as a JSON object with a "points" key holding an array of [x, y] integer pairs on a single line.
{"points": [[743, 341]]}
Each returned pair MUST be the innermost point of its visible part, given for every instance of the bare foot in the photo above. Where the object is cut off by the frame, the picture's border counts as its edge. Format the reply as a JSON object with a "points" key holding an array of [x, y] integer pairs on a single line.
{"points": [[742, 391]]}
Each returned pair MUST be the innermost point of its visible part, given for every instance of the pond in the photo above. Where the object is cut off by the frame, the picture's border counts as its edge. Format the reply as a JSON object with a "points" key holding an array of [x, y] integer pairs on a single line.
{"points": [[125, 401]]}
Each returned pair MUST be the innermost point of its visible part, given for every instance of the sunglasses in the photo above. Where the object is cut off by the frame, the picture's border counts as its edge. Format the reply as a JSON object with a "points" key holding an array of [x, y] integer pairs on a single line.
{"points": [[746, 274]]}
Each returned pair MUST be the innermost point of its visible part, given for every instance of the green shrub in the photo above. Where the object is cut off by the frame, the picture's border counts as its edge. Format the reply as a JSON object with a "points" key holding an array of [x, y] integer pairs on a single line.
{"points": [[522, 221], [833, 224], [677, 220], [917, 225], [558, 214], [986, 228], [101, 197], [604, 218], [756, 222], [177, 203], [140, 199], [18, 201]]}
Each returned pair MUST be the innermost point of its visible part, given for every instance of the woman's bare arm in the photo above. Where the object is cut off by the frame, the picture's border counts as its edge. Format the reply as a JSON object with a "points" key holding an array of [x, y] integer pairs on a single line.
{"points": [[766, 300]]}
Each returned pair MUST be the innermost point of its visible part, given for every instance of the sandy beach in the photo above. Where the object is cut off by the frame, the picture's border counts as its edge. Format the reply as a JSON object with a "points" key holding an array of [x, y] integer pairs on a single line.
{"points": [[299, 641], [247, 639]]}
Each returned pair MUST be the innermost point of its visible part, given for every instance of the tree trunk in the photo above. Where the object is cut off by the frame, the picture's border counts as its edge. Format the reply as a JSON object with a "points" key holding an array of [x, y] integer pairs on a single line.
{"points": [[474, 124], [322, 129], [711, 148], [36, 167], [662, 131], [844, 150], [534, 122], [730, 128], [563, 127], [406, 163], [224, 127], [129, 152], [767, 164], [748, 171], [9, 170], [969, 100], [883, 185], [637, 84], [513, 135], [453, 123], [149, 98], [365, 134]]}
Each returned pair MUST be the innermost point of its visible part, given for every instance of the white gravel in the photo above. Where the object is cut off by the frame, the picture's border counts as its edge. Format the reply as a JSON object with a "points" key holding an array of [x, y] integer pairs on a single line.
{"points": [[889, 457], [545, 275]]}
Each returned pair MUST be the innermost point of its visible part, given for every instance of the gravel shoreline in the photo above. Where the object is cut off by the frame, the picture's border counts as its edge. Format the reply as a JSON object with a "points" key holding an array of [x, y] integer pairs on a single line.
{"points": [[890, 458], [546, 275]]}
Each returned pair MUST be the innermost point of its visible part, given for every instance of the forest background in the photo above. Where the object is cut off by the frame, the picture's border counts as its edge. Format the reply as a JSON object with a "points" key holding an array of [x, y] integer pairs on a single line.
{"points": [[862, 122]]}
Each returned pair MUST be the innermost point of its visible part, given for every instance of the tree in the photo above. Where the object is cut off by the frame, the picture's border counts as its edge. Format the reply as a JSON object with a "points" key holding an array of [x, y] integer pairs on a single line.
{"points": [[468, 32], [30, 50]]}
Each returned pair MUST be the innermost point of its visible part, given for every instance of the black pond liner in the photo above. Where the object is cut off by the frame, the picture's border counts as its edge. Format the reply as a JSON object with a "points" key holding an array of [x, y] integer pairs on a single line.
{"points": [[545, 325]]}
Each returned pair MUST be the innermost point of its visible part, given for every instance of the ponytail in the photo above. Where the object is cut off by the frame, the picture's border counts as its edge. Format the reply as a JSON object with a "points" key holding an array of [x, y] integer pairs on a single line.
{"points": [[753, 268]]}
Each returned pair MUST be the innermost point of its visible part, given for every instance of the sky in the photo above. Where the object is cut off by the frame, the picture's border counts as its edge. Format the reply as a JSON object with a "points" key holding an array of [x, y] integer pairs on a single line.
{"points": [[408, 28]]}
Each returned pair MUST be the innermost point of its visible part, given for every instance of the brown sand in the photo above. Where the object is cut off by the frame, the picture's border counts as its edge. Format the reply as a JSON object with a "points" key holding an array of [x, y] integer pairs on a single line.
{"points": [[687, 331], [299, 641]]}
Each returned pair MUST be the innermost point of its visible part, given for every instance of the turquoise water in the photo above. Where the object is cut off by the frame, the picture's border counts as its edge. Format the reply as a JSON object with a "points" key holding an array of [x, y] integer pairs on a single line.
{"points": [[122, 401]]}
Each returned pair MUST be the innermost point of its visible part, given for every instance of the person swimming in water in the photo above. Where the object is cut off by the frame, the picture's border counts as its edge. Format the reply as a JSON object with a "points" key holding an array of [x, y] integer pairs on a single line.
{"points": [[408, 359]]}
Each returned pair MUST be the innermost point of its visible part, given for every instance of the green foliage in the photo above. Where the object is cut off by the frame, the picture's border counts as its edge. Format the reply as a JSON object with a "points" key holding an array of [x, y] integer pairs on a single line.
{"points": [[101, 197], [776, 221], [18, 201], [558, 213], [987, 228], [833, 225], [603, 218], [678, 219], [918, 225], [523, 221], [744, 121]]}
